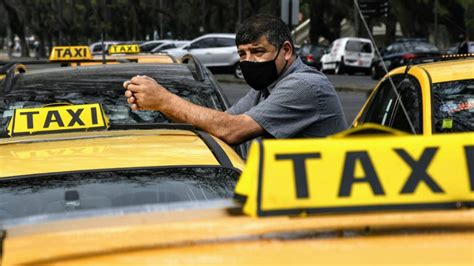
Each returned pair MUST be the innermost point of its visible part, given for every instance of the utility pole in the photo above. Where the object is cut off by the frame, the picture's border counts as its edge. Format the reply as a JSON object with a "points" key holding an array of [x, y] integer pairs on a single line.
{"points": [[356, 22], [436, 22]]}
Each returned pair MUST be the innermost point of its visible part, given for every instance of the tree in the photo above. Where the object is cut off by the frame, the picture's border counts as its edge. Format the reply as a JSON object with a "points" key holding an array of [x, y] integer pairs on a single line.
{"points": [[16, 22]]}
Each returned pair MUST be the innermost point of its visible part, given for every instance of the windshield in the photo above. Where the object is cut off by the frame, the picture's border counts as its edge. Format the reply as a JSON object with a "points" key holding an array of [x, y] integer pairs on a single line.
{"points": [[69, 192], [359, 47], [453, 106], [94, 85], [421, 47]]}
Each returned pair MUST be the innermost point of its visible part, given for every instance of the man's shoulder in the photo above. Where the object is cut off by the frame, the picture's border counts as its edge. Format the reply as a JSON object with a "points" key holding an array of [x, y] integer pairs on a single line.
{"points": [[306, 76]]}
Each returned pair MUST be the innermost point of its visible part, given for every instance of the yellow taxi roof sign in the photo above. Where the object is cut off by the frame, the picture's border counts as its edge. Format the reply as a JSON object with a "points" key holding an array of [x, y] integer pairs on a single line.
{"points": [[290, 177], [57, 118], [70, 53], [124, 49]]}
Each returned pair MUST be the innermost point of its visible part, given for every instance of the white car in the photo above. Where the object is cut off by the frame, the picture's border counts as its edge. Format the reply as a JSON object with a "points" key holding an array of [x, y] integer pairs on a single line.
{"points": [[348, 55], [157, 46], [213, 50]]}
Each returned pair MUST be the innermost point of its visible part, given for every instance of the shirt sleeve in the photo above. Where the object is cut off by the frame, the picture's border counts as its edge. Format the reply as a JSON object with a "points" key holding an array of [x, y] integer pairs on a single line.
{"points": [[244, 104], [291, 107]]}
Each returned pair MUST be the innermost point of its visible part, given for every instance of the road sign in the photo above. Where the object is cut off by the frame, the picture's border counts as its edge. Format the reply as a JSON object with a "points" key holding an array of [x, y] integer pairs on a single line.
{"points": [[374, 8]]}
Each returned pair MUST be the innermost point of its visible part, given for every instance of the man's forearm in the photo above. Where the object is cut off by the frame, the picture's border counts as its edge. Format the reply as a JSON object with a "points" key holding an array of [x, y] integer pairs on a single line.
{"points": [[227, 127]]}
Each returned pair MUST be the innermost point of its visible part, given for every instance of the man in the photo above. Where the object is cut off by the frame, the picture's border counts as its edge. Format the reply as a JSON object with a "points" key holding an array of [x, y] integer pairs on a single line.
{"points": [[288, 99], [463, 46]]}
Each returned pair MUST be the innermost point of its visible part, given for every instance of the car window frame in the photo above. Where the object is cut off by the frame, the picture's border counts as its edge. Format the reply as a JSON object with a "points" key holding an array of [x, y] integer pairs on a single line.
{"points": [[395, 105], [213, 41]]}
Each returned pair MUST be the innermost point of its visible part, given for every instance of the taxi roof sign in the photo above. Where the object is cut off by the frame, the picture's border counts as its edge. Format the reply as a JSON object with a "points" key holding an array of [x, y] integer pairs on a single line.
{"points": [[124, 49], [70, 53], [290, 177], [57, 118]]}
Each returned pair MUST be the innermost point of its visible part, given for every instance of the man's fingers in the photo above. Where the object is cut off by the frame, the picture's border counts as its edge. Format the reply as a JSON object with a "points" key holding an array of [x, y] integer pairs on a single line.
{"points": [[134, 107], [134, 88], [128, 93], [131, 100], [126, 83]]}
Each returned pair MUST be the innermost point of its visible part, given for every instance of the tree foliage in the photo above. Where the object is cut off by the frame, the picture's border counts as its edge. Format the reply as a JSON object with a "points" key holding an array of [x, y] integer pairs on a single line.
{"points": [[73, 22]]}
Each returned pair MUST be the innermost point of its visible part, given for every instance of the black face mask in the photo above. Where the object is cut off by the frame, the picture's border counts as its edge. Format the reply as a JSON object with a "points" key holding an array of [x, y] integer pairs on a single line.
{"points": [[259, 75]]}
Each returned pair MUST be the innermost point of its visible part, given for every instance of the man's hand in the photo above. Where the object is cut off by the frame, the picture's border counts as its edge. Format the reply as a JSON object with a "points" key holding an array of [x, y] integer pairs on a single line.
{"points": [[144, 93]]}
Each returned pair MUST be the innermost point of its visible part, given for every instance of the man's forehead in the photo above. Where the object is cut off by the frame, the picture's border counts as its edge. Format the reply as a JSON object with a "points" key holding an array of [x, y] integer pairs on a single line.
{"points": [[261, 42]]}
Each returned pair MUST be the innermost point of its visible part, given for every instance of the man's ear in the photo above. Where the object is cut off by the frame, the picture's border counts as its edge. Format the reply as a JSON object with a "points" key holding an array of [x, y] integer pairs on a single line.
{"points": [[289, 51]]}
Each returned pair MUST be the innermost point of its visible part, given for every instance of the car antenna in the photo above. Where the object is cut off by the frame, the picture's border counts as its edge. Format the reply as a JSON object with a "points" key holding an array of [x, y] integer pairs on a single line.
{"points": [[399, 99]]}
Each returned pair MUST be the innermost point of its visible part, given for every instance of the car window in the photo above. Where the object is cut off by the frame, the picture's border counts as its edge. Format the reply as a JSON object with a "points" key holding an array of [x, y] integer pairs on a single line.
{"points": [[97, 48], [410, 93], [359, 47], [150, 46], [69, 192], [453, 106], [164, 47], [420, 47], [204, 43], [384, 109], [397, 48], [88, 85], [225, 42]]}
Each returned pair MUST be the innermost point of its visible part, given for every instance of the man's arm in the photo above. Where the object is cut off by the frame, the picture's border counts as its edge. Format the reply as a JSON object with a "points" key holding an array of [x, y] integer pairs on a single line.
{"points": [[145, 93]]}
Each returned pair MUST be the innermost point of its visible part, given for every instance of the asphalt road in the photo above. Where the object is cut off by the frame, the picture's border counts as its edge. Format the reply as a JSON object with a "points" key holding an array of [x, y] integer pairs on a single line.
{"points": [[352, 100]]}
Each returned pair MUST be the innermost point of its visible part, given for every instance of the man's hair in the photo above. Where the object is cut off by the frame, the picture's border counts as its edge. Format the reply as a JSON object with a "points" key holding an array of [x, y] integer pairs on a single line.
{"points": [[273, 28]]}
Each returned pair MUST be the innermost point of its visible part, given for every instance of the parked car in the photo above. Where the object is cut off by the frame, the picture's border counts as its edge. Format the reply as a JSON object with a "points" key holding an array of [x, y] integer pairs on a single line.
{"points": [[402, 52], [311, 54], [96, 48], [438, 98], [454, 48], [159, 45], [216, 51], [348, 55]]}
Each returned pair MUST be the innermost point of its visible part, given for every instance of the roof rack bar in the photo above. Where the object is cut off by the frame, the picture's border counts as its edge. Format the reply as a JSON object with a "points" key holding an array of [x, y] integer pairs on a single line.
{"points": [[199, 71], [216, 149], [10, 74], [151, 126]]}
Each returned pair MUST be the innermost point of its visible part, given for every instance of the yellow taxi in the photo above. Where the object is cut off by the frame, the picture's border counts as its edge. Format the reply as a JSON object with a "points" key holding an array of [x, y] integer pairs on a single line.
{"points": [[349, 199], [118, 53], [353, 198], [424, 99]]}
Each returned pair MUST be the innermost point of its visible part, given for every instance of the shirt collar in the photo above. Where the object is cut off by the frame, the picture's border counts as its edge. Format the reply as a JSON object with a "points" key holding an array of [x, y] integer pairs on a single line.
{"points": [[290, 69]]}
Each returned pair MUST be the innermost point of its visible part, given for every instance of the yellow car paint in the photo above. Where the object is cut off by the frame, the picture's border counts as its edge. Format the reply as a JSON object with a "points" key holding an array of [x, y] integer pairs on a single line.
{"points": [[213, 236], [105, 150]]}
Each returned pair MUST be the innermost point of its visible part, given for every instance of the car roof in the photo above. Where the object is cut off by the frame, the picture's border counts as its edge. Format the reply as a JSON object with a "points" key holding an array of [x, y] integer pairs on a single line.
{"points": [[227, 35], [188, 235], [176, 73], [353, 39], [113, 149], [444, 71]]}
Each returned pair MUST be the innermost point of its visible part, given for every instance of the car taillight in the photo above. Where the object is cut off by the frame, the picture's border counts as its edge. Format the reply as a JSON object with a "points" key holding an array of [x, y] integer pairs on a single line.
{"points": [[310, 58], [408, 56]]}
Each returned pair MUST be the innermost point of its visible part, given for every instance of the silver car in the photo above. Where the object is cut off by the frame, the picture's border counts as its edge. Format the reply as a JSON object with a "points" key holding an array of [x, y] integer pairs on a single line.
{"points": [[213, 50]]}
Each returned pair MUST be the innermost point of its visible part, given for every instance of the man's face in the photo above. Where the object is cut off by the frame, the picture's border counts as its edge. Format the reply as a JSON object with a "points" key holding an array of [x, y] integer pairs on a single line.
{"points": [[261, 51]]}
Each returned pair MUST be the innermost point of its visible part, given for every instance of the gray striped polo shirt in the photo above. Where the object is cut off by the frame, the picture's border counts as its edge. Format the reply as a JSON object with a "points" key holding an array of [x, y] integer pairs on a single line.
{"points": [[301, 103]]}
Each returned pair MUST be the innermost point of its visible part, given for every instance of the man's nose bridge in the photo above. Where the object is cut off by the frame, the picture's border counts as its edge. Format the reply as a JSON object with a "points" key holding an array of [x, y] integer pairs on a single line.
{"points": [[249, 56]]}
